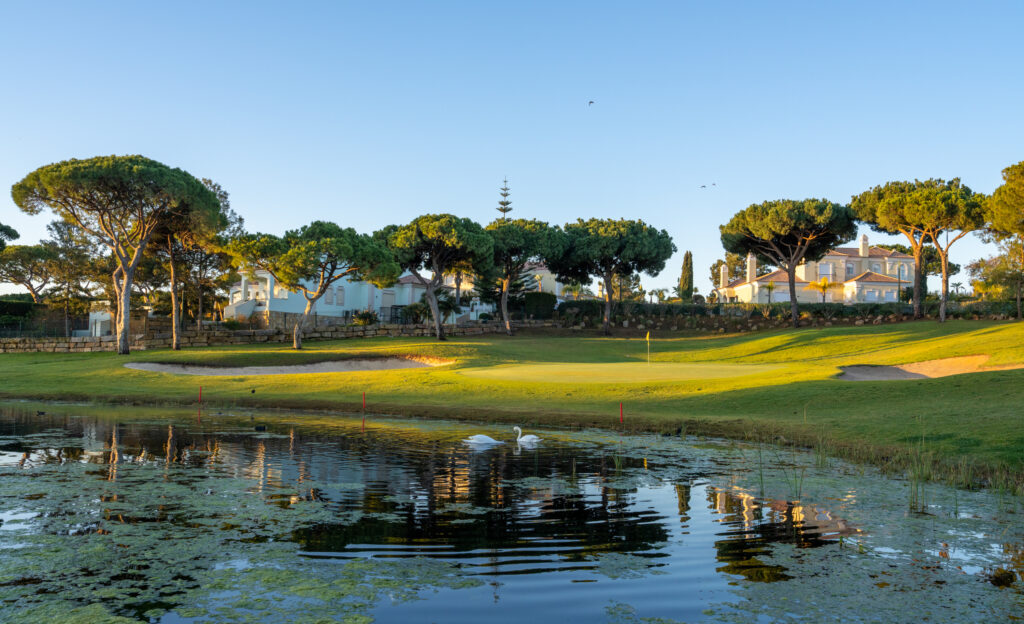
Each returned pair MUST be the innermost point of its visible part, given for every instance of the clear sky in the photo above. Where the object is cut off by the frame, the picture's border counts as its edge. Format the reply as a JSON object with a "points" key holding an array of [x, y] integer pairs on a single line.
{"points": [[372, 113]]}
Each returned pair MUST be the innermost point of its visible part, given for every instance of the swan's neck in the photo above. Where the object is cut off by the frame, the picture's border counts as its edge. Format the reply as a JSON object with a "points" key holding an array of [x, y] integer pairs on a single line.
{"points": [[519, 434]]}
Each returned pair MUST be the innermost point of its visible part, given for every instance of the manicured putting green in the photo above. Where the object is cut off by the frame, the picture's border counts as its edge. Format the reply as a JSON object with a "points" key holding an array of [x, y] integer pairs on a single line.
{"points": [[617, 372]]}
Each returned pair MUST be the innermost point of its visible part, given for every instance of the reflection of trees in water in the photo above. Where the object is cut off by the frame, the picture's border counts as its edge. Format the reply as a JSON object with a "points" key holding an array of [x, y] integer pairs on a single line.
{"points": [[756, 524], [415, 492]]}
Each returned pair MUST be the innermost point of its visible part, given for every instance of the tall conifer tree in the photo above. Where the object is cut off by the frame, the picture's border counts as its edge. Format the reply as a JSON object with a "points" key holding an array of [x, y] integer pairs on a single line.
{"points": [[504, 204], [685, 288]]}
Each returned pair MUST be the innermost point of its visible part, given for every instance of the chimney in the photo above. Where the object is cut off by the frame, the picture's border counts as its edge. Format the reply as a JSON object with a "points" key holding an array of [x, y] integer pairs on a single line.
{"points": [[723, 276], [864, 246], [751, 267]]}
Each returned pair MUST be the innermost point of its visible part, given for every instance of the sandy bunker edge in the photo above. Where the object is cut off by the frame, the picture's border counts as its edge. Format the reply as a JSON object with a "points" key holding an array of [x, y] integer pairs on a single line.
{"points": [[929, 369], [353, 365]]}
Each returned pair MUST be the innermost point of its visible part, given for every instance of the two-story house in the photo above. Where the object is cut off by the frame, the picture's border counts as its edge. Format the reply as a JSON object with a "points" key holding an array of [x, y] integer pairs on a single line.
{"points": [[861, 274]]}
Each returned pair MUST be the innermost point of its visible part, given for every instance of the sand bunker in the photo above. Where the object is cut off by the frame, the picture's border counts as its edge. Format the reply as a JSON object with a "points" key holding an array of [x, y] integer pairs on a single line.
{"points": [[337, 366], [922, 370]]}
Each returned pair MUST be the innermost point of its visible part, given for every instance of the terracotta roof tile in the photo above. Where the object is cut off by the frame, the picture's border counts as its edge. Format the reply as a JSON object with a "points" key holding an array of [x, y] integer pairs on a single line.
{"points": [[871, 276]]}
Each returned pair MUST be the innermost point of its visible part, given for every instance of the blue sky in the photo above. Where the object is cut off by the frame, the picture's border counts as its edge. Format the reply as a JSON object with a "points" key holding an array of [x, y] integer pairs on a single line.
{"points": [[372, 113]]}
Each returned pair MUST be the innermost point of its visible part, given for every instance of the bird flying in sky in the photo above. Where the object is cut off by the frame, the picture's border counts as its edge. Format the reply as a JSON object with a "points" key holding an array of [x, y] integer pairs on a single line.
{"points": [[590, 103]]}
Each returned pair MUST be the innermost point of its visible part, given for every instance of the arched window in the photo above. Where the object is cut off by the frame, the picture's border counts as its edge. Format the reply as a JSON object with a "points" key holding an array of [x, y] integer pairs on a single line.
{"points": [[902, 271]]}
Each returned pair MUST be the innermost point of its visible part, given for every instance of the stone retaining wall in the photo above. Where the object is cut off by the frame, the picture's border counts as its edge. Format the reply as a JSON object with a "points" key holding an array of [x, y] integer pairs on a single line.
{"points": [[192, 338]]}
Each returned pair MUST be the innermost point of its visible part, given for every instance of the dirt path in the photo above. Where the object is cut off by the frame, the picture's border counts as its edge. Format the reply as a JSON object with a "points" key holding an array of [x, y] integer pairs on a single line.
{"points": [[338, 366], [922, 370]]}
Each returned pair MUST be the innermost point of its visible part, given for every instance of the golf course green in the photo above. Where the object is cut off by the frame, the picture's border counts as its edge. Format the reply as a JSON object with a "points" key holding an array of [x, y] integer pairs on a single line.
{"points": [[617, 372]]}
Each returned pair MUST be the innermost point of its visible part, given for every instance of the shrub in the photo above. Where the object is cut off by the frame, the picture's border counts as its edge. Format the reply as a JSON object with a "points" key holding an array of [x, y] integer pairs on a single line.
{"points": [[364, 317], [232, 325], [484, 317], [539, 305], [17, 309]]}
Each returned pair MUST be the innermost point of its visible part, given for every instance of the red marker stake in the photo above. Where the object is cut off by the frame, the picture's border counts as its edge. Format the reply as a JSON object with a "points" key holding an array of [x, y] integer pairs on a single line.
{"points": [[364, 412], [620, 413]]}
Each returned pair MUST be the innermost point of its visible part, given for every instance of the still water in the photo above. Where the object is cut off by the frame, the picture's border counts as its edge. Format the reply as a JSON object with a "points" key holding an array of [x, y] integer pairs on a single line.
{"points": [[163, 516]]}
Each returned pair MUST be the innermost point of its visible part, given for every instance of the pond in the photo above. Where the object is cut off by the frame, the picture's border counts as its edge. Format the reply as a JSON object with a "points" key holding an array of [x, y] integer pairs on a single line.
{"points": [[128, 515]]}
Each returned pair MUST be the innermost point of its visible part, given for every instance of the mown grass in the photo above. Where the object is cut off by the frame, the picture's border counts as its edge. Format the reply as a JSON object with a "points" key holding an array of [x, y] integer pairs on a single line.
{"points": [[972, 426]]}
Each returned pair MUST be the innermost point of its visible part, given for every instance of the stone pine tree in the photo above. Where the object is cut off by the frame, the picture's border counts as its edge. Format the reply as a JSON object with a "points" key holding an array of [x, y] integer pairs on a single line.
{"points": [[1004, 214], [518, 242], [436, 243], [685, 288], [923, 211], [607, 248], [312, 258], [504, 204], [7, 233], [119, 200], [29, 266], [787, 232]]}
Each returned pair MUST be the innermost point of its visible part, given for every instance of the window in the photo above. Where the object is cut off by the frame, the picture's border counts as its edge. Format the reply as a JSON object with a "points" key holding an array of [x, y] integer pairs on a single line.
{"points": [[903, 271], [280, 292], [871, 295], [849, 270], [825, 270], [341, 296], [329, 296], [876, 267]]}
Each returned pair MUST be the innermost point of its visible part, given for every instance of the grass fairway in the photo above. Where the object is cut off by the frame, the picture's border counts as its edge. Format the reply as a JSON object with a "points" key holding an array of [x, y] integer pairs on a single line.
{"points": [[968, 424], [617, 372]]}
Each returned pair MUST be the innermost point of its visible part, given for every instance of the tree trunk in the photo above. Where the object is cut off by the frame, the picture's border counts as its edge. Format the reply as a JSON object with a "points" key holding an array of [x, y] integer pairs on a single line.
{"points": [[793, 306], [918, 281], [944, 256], [175, 313], [124, 295], [458, 288], [199, 316], [1020, 287], [504, 305], [608, 304], [435, 312], [299, 324]]}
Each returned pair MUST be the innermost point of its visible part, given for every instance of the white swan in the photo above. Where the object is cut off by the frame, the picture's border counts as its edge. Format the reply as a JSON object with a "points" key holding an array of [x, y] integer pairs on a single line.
{"points": [[525, 440], [481, 440]]}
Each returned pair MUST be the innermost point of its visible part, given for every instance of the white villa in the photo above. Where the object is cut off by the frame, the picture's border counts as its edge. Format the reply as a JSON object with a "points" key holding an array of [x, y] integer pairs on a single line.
{"points": [[861, 274], [260, 297]]}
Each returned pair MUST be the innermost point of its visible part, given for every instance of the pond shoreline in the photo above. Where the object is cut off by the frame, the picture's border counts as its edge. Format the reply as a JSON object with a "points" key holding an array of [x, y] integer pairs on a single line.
{"points": [[915, 464]]}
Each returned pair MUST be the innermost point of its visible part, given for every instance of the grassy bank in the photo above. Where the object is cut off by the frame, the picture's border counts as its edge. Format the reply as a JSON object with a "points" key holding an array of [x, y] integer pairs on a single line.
{"points": [[778, 386]]}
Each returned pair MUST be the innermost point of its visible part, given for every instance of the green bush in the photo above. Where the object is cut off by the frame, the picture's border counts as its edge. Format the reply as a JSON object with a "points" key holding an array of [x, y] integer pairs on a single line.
{"points": [[364, 317], [484, 317], [232, 324], [17, 309], [539, 305]]}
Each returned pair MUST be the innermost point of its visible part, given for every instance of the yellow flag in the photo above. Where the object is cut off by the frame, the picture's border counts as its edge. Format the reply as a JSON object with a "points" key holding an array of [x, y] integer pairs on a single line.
{"points": [[648, 336]]}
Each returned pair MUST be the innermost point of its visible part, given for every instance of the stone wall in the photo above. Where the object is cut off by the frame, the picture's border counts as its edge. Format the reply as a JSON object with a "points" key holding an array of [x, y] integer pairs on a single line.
{"points": [[192, 338]]}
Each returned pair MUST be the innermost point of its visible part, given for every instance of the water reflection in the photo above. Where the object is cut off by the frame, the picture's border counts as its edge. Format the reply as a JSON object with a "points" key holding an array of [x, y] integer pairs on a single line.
{"points": [[564, 512]]}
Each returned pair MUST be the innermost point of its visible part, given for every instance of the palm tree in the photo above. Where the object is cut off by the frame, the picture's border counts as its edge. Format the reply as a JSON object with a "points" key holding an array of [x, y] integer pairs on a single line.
{"points": [[823, 286], [957, 286], [660, 293], [770, 287]]}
